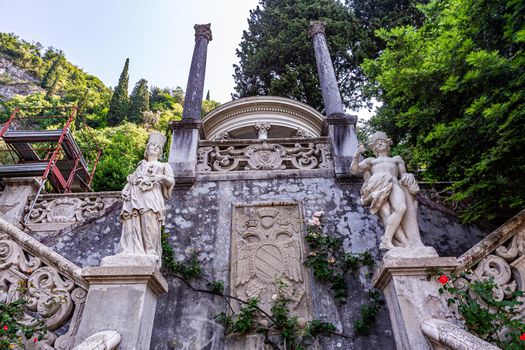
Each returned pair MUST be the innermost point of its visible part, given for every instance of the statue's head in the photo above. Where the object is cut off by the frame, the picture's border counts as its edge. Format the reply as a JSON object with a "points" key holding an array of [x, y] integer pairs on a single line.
{"points": [[377, 141], [155, 145]]}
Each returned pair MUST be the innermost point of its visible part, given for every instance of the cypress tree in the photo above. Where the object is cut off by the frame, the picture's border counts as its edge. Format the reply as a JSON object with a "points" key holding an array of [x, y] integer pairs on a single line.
{"points": [[139, 101], [119, 105], [50, 76], [53, 87]]}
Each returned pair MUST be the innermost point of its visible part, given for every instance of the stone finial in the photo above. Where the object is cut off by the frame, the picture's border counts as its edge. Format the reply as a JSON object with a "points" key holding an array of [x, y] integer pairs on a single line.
{"points": [[203, 30], [262, 130], [316, 27]]}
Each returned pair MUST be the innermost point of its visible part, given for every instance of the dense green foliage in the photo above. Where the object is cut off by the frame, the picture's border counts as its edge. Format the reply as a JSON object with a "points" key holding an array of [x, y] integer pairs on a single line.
{"points": [[65, 84], [14, 334], [487, 312], [119, 106], [384, 14], [277, 57], [139, 101], [454, 100], [123, 147]]}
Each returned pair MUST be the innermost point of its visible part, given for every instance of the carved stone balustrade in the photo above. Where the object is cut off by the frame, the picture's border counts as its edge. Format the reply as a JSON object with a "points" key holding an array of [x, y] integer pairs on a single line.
{"points": [[266, 155], [56, 211], [501, 257], [52, 286], [444, 335]]}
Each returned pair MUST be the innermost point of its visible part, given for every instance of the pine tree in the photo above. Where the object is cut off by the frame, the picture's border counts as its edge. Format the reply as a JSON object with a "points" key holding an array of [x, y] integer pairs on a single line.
{"points": [[208, 95], [276, 56], [119, 105], [139, 102]]}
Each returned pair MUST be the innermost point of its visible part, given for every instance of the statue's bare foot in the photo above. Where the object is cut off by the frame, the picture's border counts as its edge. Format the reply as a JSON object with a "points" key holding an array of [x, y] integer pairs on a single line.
{"points": [[385, 244]]}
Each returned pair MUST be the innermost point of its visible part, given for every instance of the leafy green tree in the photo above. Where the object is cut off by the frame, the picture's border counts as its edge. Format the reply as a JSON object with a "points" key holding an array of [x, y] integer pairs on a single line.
{"points": [[119, 105], [139, 101], [384, 14], [123, 147], [166, 98], [208, 106], [453, 95], [276, 56]]}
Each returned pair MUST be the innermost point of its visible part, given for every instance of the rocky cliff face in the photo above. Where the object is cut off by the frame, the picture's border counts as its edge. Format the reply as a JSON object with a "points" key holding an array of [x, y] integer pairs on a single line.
{"points": [[16, 81]]}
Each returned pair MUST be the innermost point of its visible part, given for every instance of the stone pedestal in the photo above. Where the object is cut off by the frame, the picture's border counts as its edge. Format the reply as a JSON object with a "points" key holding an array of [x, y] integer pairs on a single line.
{"points": [[123, 299], [343, 139], [183, 151], [411, 297], [14, 198], [341, 126]]}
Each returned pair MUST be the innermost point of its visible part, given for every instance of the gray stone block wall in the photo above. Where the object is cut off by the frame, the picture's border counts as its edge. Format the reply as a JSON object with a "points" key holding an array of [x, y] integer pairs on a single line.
{"points": [[200, 218]]}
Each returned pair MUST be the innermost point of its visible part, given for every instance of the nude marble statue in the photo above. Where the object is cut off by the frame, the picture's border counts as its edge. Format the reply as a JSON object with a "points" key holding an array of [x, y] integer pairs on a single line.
{"points": [[390, 192]]}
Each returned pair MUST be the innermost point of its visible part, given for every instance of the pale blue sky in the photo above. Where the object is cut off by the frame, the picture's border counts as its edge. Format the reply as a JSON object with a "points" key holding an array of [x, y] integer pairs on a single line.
{"points": [[156, 35]]}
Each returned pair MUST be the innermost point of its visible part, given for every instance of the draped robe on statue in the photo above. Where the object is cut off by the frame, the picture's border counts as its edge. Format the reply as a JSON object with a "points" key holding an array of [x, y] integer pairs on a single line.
{"points": [[144, 210]]}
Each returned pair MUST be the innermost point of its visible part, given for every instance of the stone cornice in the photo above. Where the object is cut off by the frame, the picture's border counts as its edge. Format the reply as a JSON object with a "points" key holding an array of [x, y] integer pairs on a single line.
{"points": [[277, 110]]}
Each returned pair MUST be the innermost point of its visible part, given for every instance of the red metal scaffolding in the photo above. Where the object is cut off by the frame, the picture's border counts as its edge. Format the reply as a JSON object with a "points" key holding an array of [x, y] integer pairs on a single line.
{"points": [[43, 146]]}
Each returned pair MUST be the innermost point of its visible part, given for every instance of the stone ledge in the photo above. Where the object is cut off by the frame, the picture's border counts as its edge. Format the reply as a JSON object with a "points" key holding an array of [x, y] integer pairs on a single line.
{"points": [[262, 175], [410, 267], [127, 275], [341, 118]]}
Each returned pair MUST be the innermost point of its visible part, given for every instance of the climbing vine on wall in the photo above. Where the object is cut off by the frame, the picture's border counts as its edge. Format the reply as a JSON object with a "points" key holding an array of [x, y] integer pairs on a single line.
{"points": [[331, 264]]}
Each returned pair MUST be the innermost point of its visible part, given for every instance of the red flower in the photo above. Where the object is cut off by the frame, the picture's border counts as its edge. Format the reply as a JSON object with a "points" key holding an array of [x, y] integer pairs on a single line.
{"points": [[443, 279], [35, 340], [6, 328], [522, 337]]}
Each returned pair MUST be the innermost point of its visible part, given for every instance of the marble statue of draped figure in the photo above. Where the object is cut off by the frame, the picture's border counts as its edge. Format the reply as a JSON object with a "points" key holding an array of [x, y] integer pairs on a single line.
{"points": [[144, 209]]}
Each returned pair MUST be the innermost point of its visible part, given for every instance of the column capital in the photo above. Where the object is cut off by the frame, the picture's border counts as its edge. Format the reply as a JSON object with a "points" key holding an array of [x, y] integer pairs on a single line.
{"points": [[203, 30], [316, 27]]}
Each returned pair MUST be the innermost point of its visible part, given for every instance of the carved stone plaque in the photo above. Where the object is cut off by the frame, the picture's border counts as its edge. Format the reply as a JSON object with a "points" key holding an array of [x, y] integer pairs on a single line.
{"points": [[267, 246]]}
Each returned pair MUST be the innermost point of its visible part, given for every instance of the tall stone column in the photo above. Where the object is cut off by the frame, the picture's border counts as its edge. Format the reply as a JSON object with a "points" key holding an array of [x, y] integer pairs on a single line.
{"points": [[341, 125], [185, 134]]}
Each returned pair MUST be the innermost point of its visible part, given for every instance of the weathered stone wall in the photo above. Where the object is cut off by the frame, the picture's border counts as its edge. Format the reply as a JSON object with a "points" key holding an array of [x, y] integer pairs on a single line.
{"points": [[200, 218]]}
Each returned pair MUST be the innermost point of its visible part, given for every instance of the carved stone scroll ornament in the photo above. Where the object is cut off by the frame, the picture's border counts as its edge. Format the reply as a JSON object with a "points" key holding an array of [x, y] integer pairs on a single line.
{"points": [[50, 296], [264, 156], [506, 266], [267, 246], [68, 209]]}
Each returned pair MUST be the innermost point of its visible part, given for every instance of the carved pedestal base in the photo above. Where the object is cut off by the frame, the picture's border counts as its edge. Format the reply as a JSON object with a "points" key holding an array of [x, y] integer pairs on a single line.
{"points": [[410, 297], [122, 298], [14, 198], [183, 151]]}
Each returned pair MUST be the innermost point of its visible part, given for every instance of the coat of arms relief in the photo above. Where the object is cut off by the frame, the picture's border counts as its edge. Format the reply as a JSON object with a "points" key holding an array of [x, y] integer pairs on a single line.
{"points": [[267, 247]]}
